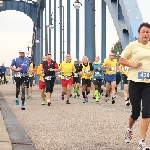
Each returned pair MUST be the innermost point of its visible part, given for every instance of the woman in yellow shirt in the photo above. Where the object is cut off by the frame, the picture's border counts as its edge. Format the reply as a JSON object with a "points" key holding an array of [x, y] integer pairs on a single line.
{"points": [[139, 86]]}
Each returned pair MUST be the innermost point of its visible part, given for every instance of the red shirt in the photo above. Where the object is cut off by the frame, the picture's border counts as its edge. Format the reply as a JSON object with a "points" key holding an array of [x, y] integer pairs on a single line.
{"points": [[49, 63]]}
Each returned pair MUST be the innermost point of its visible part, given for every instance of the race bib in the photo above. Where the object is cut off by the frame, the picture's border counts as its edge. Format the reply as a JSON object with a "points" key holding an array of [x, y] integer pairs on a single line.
{"points": [[75, 74], [144, 76], [17, 74], [30, 75], [97, 73], [66, 77], [126, 69], [86, 71], [111, 68], [48, 77]]}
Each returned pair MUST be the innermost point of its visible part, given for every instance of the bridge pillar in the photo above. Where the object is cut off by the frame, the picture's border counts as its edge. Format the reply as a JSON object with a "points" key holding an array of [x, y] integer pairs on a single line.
{"points": [[77, 34], [103, 31], [68, 26], [55, 30], [41, 34], [89, 30]]}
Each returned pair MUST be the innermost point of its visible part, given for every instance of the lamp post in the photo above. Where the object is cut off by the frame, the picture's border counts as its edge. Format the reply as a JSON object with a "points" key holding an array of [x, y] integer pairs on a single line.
{"points": [[63, 29], [77, 6], [1, 3]]}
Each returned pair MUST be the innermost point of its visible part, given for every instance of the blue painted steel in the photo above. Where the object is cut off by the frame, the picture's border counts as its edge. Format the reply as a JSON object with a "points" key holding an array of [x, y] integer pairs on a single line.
{"points": [[21, 6], [49, 24], [46, 34], [77, 34], [38, 49], [60, 12], [103, 31], [54, 29], [128, 20], [68, 26], [88, 30], [41, 38]]}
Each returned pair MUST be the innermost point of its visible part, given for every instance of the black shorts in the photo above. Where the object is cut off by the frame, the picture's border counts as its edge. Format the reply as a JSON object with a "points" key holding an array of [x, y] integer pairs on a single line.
{"points": [[86, 82], [139, 91], [124, 78], [118, 78], [19, 80], [99, 80], [76, 80]]}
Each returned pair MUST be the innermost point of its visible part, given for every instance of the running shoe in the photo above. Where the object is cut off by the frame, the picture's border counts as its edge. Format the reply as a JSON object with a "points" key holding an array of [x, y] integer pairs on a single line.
{"points": [[17, 101], [142, 145], [22, 107], [128, 136]]}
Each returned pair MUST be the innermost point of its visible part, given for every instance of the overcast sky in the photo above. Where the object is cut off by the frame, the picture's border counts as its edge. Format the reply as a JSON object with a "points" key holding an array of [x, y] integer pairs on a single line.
{"points": [[16, 30]]}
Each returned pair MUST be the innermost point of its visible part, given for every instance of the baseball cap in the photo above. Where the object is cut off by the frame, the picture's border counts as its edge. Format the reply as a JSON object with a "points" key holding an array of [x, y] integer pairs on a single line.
{"points": [[21, 51], [75, 59]]}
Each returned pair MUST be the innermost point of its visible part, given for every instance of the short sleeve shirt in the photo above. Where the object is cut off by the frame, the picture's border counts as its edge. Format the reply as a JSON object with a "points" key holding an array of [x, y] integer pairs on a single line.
{"points": [[138, 52]]}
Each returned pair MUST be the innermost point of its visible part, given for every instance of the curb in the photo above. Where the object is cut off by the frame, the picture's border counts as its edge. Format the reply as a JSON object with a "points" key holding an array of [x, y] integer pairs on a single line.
{"points": [[18, 136]]}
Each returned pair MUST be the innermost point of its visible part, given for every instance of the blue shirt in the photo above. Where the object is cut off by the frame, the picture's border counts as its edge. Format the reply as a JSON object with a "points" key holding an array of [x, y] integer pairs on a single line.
{"points": [[22, 63], [2, 69], [98, 74]]}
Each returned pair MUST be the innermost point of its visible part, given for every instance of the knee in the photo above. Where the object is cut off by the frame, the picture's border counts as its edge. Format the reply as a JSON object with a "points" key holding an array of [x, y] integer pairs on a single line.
{"points": [[145, 113], [135, 116]]}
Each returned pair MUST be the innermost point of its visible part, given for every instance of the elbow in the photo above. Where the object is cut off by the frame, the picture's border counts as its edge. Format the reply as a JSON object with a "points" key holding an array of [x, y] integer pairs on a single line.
{"points": [[120, 61]]}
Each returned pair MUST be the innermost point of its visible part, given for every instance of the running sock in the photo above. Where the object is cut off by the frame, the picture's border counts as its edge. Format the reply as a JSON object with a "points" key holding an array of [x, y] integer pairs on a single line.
{"points": [[83, 93]]}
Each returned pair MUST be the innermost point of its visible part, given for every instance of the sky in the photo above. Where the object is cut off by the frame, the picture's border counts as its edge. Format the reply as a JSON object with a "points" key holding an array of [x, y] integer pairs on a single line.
{"points": [[16, 30]]}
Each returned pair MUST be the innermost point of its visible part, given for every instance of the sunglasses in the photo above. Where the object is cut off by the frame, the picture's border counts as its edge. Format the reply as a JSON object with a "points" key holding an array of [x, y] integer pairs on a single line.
{"points": [[111, 55]]}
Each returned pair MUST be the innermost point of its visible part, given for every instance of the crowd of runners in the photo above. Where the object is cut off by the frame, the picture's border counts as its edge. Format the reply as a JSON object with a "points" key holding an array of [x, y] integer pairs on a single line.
{"points": [[133, 68]]}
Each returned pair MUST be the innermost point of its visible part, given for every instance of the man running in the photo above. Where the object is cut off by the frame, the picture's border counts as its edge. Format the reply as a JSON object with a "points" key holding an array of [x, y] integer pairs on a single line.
{"points": [[86, 72], [98, 77], [76, 79], [40, 72], [111, 66], [67, 69], [21, 64], [49, 67]]}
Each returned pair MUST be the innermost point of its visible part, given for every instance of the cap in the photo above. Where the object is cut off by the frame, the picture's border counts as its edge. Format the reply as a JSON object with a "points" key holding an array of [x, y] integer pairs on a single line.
{"points": [[29, 56], [75, 59], [48, 54], [21, 51]]}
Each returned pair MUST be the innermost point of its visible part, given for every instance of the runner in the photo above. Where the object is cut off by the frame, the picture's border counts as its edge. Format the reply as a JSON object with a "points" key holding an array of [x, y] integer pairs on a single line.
{"points": [[118, 78], [67, 69], [86, 72], [98, 77], [125, 71], [40, 72], [21, 64], [76, 79], [30, 81], [49, 67], [111, 66], [138, 52]]}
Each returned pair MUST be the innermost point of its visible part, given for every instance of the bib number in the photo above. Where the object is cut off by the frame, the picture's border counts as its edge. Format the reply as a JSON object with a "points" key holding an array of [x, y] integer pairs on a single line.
{"points": [[126, 69], [30, 75], [17, 74], [111, 68], [144, 76], [86, 71], [48, 77], [66, 77], [75, 74], [97, 73]]}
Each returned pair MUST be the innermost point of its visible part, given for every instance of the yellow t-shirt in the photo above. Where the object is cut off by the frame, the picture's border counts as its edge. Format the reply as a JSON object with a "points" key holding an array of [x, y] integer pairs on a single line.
{"points": [[113, 66], [124, 69], [39, 69], [67, 68], [138, 52]]}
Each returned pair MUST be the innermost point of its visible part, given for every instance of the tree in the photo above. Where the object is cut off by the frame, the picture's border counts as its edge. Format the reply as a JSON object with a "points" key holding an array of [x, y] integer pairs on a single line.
{"points": [[116, 50]]}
